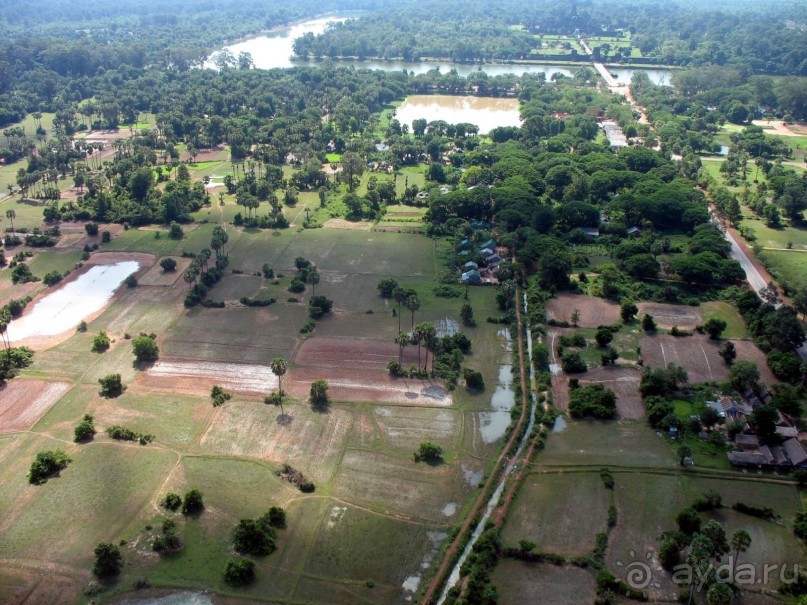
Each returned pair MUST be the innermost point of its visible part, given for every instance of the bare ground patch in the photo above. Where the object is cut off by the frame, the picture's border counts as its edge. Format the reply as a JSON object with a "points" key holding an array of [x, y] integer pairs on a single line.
{"points": [[23, 402], [697, 354], [368, 385], [307, 440], [352, 353], [593, 311], [514, 580], [624, 382], [200, 376], [340, 223], [405, 428], [667, 316]]}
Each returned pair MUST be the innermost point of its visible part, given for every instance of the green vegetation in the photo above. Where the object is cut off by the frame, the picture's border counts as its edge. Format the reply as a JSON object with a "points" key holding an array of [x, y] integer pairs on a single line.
{"points": [[46, 465]]}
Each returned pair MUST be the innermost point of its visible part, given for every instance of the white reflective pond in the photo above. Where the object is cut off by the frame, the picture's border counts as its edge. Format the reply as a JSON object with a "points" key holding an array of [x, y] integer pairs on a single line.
{"points": [[485, 112], [65, 308]]}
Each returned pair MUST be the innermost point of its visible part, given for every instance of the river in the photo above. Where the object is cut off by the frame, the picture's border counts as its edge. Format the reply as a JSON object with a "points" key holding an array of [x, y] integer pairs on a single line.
{"points": [[274, 49]]}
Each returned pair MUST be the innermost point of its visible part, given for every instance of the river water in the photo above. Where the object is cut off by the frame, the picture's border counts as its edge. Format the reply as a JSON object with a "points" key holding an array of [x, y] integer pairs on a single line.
{"points": [[274, 49]]}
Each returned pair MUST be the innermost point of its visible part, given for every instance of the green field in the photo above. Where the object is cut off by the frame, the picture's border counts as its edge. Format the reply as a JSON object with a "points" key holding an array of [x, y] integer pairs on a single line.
{"points": [[735, 327], [357, 452]]}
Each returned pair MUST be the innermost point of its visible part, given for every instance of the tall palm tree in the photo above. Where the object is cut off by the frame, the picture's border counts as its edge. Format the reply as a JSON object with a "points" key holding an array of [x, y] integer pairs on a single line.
{"points": [[399, 296], [740, 542], [413, 304], [312, 279], [402, 340], [279, 367], [11, 215]]}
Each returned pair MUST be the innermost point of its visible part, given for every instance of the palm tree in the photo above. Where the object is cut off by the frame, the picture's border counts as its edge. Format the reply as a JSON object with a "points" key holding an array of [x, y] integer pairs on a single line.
{"points": [[399, 296], [402, 340], [312, 279], [430, 342], [740, 542], [279, 367], [417, 337], [413, 304], [11, 215]]}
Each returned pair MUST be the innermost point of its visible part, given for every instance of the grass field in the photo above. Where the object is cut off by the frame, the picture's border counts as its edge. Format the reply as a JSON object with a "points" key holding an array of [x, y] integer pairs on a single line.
{"points": [[735, 328], [357, 523]]}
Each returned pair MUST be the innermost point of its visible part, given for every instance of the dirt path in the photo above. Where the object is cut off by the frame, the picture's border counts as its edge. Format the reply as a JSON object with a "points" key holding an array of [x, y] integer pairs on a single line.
{"points": [[456, 547]]}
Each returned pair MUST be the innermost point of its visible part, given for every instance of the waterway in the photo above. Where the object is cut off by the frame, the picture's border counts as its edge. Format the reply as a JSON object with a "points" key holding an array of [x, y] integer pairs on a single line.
{"points": [[65, 308], [512, 465], [274, 49]]}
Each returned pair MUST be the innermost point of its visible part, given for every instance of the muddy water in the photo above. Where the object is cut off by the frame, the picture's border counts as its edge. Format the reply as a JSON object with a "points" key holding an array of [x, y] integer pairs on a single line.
{"points": [[486, 112], [66, 307]]}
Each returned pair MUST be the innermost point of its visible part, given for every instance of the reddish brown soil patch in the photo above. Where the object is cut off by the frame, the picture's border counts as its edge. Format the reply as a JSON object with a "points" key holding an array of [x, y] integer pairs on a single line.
{"points": [[748, 351], [204, 155], [667, 316], [23, 402], [356, 370], [593, 311], [157, 277], [352, 353]]}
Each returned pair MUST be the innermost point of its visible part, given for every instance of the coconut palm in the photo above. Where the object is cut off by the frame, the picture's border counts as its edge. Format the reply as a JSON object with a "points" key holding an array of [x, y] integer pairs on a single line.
{"points": [[279, 366]]}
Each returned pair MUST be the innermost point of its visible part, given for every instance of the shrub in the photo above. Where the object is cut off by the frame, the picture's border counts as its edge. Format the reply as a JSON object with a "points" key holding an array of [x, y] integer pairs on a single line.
{"points": [[108, 560], [473, 379], [386, 286], [239, 572], [297, 285], [175, 231], [91, 229], [760, 512], [592, 400], [84, 430], [168, 265], [171, 501], [192, 503], [219, 396], [101, 342], [52, 278], [648, 323], [319, 392], [428, 451], [121, 433], [689, 522], [106, 237], [319, 306], [275, 517], [573, 363], [145, 348], [604, 337], [710, 500], [308, 326], [131, 281], [46, 465], [111, 385], [254, 538]]}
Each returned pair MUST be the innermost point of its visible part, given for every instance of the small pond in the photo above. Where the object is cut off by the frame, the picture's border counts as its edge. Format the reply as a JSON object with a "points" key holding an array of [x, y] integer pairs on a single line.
{"points": [[65, 308], [485, 112]]}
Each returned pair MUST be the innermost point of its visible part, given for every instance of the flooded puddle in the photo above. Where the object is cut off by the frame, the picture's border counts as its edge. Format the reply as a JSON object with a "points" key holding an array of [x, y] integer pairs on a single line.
{"points": [[449, 509], [412, 583], [485, 112], [179, 598], [472, 476], [65, 308], [494, 424], [560, 425]]}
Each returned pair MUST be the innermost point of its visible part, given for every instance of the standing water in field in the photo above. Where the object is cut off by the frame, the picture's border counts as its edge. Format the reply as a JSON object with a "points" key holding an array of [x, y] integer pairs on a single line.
{"points": [[69, 305], [177, 598]]}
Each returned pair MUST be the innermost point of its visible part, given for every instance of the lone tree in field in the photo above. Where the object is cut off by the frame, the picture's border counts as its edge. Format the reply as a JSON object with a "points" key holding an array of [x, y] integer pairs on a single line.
{"points": [[168, 265], [108, 560], [279, 367], [145, 348], [111, 386], [47, 464], [628, 310], [11, 215], [192, 503], [239, 572], [319, 392], [714, 328], [428, 452], [312, 279]]}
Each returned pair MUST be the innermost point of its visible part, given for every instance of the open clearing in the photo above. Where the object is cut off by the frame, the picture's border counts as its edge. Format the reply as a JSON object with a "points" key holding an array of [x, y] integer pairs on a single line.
{"points": [[540, 513], [555, 584], [593, 311], [199, 377], [699, 356], [667, 316], [24, 402], [624, 382]]}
